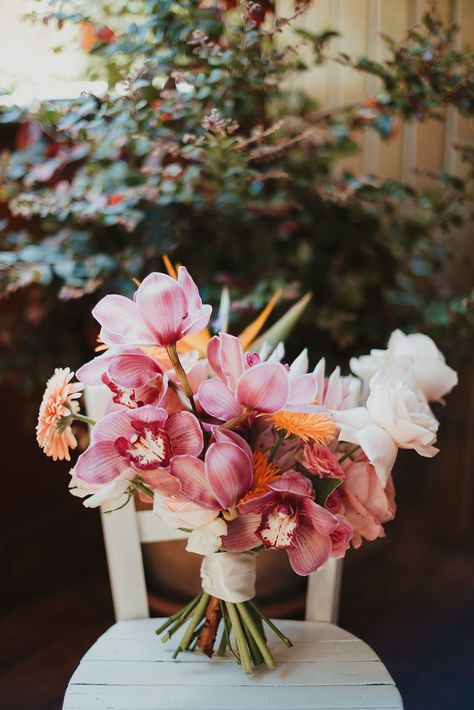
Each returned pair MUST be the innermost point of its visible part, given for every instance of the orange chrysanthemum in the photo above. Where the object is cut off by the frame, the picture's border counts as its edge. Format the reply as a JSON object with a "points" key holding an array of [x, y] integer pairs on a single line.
{"points": [[316, 427], [264, 473], [59, 400]]}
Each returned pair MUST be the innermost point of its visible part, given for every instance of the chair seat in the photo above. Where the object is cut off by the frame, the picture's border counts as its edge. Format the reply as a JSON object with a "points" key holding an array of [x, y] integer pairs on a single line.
{"points": [[129, 668]]}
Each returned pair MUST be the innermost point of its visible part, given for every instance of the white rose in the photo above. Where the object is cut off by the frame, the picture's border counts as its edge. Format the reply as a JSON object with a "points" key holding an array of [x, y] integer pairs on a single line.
{"points": [[393, 418], [181, 513], [208, 538], [413, 358]]}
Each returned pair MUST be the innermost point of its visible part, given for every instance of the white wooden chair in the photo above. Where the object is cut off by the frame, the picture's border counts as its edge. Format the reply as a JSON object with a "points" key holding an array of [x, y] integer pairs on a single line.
{"points": [[129, 668]]}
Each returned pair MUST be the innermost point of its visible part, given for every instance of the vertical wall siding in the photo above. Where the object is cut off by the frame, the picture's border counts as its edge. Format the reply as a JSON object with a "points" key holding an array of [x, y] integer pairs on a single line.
{"points": [[416, 147]]}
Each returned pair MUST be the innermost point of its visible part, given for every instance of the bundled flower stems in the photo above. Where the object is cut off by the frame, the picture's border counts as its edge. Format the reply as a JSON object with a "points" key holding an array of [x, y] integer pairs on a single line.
{"points": [[242, 451]]}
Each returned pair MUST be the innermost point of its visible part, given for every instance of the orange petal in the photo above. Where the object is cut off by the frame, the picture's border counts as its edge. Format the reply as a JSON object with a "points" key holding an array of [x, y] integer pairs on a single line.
{"points": [[248, 335]]}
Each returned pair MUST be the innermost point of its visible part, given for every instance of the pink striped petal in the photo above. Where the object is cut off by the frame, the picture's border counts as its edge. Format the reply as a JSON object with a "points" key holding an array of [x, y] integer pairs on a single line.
{"points": [[310, 549], [162, 305], [101, 463], [303, 389], [241, 533], [185, 433], [121, 322], [149, 414], [191, 473], [112, 427], [264, 387], [217, 400], [222, 436], [213, 355], [231, 359], [321, 519], [198, 322], [229, 472], [133, 370], [190, 290]]}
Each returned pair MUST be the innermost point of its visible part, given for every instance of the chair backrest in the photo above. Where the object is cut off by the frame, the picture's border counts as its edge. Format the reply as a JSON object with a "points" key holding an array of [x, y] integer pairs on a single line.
{"points": [[125, 530]]}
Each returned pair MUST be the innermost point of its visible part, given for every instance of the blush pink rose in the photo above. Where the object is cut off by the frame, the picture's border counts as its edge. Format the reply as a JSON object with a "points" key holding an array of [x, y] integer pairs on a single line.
{"points": [[341, 537], [366, 502], [320, 461]]}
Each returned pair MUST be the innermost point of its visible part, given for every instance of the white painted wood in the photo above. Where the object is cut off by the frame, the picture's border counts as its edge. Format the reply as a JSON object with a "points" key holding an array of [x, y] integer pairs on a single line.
{"points": [[410, 130], [327, 669], [323, 592], [450, 158], [371, 141], [151, 529]]}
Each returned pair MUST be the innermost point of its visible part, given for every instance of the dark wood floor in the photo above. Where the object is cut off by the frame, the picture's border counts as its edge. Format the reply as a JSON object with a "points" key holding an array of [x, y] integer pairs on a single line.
{"points": [[410, 596]]}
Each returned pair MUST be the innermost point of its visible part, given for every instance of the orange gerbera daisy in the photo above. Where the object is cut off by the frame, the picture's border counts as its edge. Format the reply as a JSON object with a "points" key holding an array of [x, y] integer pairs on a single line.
{"points": [[264, 473], [318, 427], [59, 400]]}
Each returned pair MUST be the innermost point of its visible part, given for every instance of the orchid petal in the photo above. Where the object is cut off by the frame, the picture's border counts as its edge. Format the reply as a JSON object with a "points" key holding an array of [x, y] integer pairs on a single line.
{"points": [[303, 389], [241, 533], [217, 400], [310, 550], [162, 305], [191, 472], [229, 472], [264, 387], [185, 433], [101, 463], [121, 321], [112, 426], [231, 359], [133, 370]]}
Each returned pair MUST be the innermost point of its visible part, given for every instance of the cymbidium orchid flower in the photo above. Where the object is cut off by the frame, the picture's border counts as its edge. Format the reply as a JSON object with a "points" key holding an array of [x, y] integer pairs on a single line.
{"points": [[163, 311], [288, 519], [244, 383], [131, 442], [393, 418], [134, 378]]}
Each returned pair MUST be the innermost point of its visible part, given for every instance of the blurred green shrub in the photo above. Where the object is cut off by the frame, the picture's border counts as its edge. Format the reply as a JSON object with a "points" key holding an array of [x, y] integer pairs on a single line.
{"points": [[200, 150]]}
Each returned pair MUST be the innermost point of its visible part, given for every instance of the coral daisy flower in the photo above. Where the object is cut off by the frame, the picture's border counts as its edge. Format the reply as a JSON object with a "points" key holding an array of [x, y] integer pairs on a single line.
{"points": [[59, 400]]}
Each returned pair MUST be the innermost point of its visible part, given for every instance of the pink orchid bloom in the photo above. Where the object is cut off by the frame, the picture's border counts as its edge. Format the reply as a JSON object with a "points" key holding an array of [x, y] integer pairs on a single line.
{"points": [[244, 382], [131, 442], [163, 311], [290, 520], [222, 479], [134, 378]]}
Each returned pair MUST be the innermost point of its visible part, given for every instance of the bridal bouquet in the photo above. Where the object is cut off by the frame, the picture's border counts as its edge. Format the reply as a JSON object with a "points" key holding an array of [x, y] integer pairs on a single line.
{"points": [[239, 449]]}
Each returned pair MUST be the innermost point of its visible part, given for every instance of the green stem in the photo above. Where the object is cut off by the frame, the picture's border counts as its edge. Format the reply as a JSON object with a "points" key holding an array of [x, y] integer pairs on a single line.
{"points": [[349, 453], [196, 617], [239, 637], [227, 627], [83, 418], [185, 610], [269, 623], [183, 378], [139, 485], [258, 638], [223, 642], [257, 658], [177, 624], [276, 446]]}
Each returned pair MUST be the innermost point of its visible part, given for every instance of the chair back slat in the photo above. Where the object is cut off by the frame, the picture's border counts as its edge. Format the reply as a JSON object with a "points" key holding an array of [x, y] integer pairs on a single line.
{"points": [[151, 529], [323, 592], [126, 529]]}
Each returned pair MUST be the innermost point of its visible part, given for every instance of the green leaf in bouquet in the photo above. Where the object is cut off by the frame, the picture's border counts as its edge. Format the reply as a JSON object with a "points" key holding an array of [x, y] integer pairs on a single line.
{"points": [[323, 487], [280, 330]]}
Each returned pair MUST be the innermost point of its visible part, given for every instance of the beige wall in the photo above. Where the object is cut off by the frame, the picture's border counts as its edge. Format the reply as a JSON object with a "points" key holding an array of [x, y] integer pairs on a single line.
{"points": [[427, 146]]}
